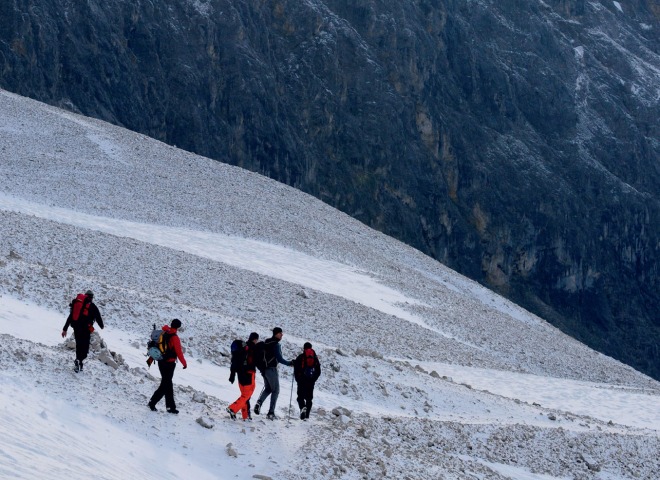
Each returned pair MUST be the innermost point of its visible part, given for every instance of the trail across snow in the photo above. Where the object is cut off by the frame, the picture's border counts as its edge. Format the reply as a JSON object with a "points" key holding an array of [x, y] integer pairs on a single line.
{"points": [[623, 406]]}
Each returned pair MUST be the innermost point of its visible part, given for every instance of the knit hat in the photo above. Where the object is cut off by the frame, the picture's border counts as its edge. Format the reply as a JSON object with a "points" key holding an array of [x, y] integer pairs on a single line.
{"points": [[276, 330], [307, 345], [253, 336], [89, 293], [176, 323]]}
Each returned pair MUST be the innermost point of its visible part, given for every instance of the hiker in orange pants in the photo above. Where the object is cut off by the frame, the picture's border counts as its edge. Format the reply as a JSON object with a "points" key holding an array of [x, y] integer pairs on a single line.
{"points": [[242, 364], [244, 400]]}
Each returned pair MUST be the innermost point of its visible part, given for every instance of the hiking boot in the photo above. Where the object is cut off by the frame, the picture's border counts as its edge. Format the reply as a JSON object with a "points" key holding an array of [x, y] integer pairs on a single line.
{"points": [[303, 413], [76, 366], [172, 410], [231, 413], [257, 408], [81, 365], [271, 416], [152, 407]]}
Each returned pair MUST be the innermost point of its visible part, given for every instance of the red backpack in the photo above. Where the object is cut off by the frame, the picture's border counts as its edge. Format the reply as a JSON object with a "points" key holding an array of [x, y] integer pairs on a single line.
{"points": [[309, 363], [79, 306]]}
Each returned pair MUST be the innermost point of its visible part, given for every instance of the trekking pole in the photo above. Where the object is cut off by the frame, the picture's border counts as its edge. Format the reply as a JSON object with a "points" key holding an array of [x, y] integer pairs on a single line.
{"points": [[290, 399]]}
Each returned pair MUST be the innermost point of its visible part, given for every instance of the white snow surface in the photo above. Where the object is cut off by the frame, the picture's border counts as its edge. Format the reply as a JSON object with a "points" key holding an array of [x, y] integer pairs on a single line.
{"points": [[426, 374]]}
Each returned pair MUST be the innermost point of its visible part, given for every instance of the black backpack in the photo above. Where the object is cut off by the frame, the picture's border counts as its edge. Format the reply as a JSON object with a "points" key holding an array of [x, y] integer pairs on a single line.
{"points": [[259, 356], [237, 353]]}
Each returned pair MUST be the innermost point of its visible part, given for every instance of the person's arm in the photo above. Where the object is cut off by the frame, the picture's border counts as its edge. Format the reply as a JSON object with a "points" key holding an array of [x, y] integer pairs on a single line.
{"points": [[66, 325], [280, 358], [317, 372], [176, 343], [97, 313], [297, 367]]}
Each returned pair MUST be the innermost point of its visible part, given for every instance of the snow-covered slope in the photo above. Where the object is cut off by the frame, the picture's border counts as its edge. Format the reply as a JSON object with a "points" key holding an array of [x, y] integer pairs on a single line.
{"points": [[426, 374]]}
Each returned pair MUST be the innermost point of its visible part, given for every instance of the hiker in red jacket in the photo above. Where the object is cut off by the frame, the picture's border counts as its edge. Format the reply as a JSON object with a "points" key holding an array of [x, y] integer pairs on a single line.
{"points": [[167, 366], [82, 315]]}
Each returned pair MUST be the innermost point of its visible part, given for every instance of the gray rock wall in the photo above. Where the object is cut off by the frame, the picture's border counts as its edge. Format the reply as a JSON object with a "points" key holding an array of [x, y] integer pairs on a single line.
{"points": [[517, 142]]}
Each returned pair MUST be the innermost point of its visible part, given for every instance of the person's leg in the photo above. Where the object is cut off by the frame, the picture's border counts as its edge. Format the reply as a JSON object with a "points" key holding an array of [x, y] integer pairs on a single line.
{"points": [[82, 343], [274, 382], [267, 388], [247, 391], [238, 403], [241, 402], [160, 391], [169, 385], [309, 396], [300, 395]]}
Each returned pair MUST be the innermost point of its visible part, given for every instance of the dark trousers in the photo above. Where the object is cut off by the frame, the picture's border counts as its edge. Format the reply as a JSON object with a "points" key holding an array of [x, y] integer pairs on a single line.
{"points": [[166, 388], [305, 394], [82, 342]]}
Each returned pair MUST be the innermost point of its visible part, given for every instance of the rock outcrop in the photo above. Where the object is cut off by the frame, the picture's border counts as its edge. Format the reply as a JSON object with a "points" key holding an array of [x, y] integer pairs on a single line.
{"points": [[517, 142]]}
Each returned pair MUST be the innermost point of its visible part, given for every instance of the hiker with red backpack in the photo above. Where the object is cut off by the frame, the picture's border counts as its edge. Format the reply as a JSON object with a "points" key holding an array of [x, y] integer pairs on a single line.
{"points": [[82, 315], [306, 371], [242, 365], [166, 365]]}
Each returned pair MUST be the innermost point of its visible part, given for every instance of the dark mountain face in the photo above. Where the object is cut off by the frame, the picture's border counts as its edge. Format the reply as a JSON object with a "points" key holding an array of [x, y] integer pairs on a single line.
{"points": [[517, 142]]}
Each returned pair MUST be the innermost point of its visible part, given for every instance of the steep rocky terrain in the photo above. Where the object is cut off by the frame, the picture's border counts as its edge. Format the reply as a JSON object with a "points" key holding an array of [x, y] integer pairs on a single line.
{"points": [[516, 142], [425, 373]]}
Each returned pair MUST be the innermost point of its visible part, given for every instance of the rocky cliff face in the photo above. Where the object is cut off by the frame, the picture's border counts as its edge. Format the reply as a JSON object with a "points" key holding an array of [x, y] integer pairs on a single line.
{"points": [[517, 142]]}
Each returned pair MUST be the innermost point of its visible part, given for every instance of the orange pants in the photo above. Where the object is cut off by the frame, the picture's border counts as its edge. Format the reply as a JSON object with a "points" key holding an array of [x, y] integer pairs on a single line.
{"points": [[246, 394]]}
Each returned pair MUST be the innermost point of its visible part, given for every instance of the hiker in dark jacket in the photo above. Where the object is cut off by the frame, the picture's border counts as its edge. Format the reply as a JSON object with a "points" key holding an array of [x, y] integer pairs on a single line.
{"points": [[306, 370], [83, 326], [273, 357], [242, 365], [167, 366]]}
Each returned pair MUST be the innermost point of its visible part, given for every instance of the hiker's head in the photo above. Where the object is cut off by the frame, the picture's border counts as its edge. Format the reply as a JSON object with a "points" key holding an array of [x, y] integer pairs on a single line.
{"points": [[176, 323], [277, 332], [307, 345], [254, 337], [89, 294]]}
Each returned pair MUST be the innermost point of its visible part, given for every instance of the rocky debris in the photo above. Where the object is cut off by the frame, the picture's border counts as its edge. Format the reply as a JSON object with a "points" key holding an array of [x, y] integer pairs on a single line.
{"points": [[361, 352], [339, 411], [231, 451], [589, 461], [70, 342], [206, 422], [199, 397], [110, 358]]}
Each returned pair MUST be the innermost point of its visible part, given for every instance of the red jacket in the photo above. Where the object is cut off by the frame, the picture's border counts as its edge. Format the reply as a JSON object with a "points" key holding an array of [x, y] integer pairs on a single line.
{"points": [[175, 345]]}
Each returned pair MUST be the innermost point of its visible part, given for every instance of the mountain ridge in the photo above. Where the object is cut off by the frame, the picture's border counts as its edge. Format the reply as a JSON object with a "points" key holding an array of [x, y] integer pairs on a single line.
{"points": [[532, 170]]}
